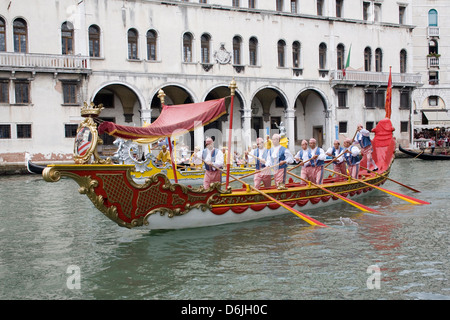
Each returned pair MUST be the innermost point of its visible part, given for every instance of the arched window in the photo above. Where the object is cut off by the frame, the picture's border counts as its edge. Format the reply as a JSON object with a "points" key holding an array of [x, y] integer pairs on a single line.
{"points": [[281, 49], [322, 56], [378, 60], [340, 56], [133, 44], [253, 50], [20, 35], [2, 35], [152, 38], [237, 42], [205, 43], [187, 47], [296, 54], [403, 61], [432, 18], [367, 59], [67, 38], [94, 41]]}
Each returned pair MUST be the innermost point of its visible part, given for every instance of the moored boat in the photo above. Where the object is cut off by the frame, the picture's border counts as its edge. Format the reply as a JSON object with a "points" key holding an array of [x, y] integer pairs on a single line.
{"points": [[423, 155], [160, 204]]}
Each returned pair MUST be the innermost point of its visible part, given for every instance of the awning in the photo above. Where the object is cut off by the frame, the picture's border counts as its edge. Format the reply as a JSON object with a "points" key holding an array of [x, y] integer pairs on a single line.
{"points": [[174, 120], [437, 117]]}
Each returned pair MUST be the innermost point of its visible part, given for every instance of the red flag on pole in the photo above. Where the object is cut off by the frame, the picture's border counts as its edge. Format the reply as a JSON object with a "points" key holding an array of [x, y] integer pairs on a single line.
{"points": [[387, 105]]}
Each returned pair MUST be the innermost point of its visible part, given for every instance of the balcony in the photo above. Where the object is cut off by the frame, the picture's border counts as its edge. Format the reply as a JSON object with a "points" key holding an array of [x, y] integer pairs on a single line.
{"points": [[433, 31], [433, 61], [35, 62], [363, 78]]}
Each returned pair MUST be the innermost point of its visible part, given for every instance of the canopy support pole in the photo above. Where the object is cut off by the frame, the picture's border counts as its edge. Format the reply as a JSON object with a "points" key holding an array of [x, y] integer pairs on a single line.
{"points": [[161, 96], [233, 90]]}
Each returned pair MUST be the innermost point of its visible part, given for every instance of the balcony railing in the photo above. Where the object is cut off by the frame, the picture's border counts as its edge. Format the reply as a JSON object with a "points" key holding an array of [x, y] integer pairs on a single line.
{"points": [[433, 31], [433, 62], [44, 62], [378, 78]]}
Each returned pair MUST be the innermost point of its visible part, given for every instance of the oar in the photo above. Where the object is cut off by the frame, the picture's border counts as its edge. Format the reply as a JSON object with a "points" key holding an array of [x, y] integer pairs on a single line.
{"points": [[419, 154], [252, 173], [395, 194], [353, 203], [410, 188], [303, 216], [342, 151]]}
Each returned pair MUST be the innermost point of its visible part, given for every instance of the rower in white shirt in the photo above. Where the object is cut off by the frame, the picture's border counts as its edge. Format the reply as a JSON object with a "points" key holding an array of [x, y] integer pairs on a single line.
{"points": [[280, 155], [336, 151], [317, 156]]}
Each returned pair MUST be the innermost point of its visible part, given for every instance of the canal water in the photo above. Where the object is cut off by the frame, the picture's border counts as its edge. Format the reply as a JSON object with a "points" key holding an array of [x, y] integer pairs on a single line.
{"points": [[55, 245]]}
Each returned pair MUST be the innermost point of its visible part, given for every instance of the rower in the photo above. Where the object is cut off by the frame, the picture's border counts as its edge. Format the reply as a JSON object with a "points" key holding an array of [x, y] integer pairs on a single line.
{"points": [[164, 155], [280, 155], [336, 151], [317, 156], [302, 156], [352, 157], [213, 159], [260, 155], [363, 139]]}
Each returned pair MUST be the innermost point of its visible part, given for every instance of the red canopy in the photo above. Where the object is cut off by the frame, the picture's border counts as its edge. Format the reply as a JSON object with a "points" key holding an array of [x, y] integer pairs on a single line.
{"points": [[173, 119]]}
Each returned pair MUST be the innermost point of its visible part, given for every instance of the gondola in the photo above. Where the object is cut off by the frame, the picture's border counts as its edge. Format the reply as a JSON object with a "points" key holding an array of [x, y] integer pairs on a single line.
{"points": [[423, 155]]}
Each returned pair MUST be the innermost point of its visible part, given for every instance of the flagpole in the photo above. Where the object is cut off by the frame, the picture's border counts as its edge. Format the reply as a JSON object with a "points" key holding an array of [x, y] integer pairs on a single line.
{"points": [[233, 90], [161, 96]]}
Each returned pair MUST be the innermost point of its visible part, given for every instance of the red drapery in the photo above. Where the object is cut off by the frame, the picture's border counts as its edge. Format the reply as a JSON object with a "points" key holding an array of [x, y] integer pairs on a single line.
{"points": [[177, 118]]}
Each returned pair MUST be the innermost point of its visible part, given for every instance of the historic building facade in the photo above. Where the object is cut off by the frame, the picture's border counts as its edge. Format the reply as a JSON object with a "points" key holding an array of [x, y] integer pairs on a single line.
{"points": [[319, 66], [431, 40]]}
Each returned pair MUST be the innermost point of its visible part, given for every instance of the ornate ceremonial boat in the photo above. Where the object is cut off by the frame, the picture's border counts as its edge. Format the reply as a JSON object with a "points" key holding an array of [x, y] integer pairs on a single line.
{"points": [[160, 204], [424, 156]]}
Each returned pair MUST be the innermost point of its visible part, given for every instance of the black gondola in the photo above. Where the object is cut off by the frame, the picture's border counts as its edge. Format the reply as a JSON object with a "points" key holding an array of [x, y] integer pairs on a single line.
{"points": [[34, 168], [423, 155]]}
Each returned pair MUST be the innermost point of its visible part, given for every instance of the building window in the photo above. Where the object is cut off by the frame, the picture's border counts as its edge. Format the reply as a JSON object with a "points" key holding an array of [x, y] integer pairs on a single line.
{"points": [[20, 35], [23, 131], [202, 1], [405, 100], [293, 6], [369, 99], [433, 77], [187, 47], [366, 8], [2, 35], [378, 60], [433, 101], [319, 7], [369, 125], [339, 6], [433, 47], [401, 14], [403, 61], [251, 4], [67, 38], [296, 54], [235, 3], [279, 5], [322, 56], [4, 91], [253, 50], [70, 92], [281, 48], [237, 42], [377, 12], [367, 59], [70, 130], [432, 18], [342, 98], [22, 92], [342, 126], [340, 56], [404, 126], [151, 45], [132, 44], [5, 131], [205, 43], [380, 99], [94, 41]]}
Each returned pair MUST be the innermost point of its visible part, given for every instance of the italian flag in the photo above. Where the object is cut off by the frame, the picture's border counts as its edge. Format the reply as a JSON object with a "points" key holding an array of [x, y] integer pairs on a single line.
{"points": [[347, 64]]}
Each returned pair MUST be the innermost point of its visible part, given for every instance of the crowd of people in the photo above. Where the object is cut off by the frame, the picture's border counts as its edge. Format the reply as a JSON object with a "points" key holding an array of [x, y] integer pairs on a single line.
{"points": [[439, 138], [271, 159]]}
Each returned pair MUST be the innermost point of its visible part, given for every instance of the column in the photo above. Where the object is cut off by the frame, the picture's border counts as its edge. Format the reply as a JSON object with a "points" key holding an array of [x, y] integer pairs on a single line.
{"points": [[289, 115], [246, 128]]}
